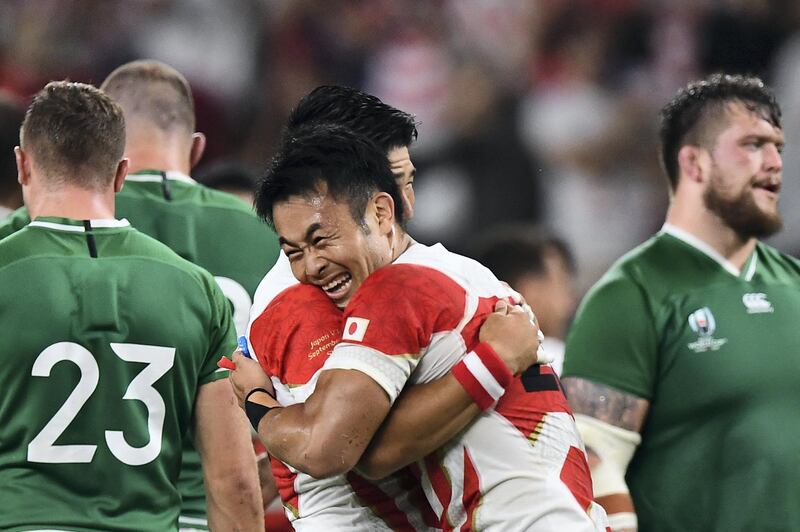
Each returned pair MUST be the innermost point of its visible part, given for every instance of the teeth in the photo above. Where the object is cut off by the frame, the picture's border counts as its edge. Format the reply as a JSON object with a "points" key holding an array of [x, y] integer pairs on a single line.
{"points": [[336, 283]]}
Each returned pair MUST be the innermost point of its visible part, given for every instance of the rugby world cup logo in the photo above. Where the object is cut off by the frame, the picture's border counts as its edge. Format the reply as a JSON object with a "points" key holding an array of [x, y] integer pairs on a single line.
{"points": [[702, 322]]}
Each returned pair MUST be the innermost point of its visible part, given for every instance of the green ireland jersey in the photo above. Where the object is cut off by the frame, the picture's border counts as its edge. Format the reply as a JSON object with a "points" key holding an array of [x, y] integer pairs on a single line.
{"points": [[107, 336], [212, 229], [716, 352]]}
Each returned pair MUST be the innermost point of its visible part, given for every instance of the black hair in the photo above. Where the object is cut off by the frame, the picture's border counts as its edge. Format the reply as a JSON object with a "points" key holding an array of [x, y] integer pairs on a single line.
{"points": [[362, 113], [350, 165], [685, 119], [512, 251]]}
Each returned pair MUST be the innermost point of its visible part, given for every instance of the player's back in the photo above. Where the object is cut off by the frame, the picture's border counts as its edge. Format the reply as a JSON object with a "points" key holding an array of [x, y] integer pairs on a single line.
{"points": [[520, 465], [210, 228], [107, 337]]}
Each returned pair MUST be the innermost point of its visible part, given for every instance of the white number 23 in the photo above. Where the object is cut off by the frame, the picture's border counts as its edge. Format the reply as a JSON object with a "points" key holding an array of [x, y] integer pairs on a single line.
{"points": [[159, 360]]}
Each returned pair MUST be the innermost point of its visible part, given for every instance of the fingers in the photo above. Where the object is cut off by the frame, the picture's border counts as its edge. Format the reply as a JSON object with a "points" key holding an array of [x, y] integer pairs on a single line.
{"points": [[502, 306]]}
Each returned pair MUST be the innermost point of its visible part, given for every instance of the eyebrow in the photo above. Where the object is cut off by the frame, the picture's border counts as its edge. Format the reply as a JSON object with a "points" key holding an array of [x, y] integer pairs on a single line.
{"points": [[310, 231]]}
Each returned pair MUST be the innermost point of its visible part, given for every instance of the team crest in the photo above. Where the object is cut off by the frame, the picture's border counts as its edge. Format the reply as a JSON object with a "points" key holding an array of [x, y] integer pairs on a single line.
{"points": [[703, 323], [757, 303]]}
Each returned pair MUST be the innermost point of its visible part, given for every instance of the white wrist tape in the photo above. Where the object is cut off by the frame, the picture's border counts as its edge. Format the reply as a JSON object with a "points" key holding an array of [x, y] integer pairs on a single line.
{"points": [[483, 375], [614, 446], [623, 521]]}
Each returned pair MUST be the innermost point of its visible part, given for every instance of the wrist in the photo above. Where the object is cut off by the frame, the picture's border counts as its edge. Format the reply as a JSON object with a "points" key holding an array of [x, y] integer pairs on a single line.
{"points": [[483, 375], [257, 403]]}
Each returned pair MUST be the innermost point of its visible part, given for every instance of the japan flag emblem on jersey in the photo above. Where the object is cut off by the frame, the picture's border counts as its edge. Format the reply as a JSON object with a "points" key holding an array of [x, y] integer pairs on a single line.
{"points": [[355, 329]]}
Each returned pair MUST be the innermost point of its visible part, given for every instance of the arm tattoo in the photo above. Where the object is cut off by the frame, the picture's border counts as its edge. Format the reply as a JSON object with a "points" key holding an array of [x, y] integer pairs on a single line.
{"points": [[605, 403]]}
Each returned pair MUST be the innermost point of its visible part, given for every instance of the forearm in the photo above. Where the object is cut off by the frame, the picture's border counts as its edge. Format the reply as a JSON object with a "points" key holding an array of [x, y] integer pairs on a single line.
{"points": [[326, 435], [229, 463], [424, 418]]}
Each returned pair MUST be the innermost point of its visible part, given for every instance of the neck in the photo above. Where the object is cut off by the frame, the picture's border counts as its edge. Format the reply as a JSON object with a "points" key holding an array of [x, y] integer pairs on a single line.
{"points": [[401, 241], [75, 203], [698, 221], [156, 151]]}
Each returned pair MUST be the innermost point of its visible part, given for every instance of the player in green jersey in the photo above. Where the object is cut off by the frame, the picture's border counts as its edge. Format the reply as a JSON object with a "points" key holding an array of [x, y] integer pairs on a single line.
{"points": [[205, 226], [109, 348], [682, 362]]}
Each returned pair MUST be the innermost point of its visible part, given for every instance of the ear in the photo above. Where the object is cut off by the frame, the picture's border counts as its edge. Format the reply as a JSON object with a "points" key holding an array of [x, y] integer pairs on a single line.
{"points": [[198, 148], [119, 176], [384, 211], [23, 166], [692, 162]]}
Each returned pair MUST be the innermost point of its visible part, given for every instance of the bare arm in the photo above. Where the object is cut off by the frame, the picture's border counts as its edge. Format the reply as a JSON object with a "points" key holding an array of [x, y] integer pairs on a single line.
{"points": [[617, 408], [426, 416], [223, 439]]}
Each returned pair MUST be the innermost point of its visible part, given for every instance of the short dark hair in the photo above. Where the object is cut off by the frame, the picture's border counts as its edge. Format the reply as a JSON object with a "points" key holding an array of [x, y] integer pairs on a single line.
{"points": [[12, 112], [363, 113], [513, 251], [154, 91], [351, 165], [687, 118], [76, 132]]}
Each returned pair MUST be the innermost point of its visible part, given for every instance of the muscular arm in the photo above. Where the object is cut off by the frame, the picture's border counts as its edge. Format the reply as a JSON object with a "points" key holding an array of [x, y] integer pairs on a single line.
{"points": [[426, 416], [229, 462], [616, 408], [326, 435]]}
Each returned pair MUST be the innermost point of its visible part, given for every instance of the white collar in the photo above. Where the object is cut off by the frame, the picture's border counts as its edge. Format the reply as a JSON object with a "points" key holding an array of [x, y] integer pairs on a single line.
{"points": [[712, 253], [157, 176], [100, 223]]}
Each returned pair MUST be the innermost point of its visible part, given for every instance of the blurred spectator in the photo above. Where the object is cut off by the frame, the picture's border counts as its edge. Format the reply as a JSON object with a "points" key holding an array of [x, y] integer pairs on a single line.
{"points": [[484, 174], [11, 114], [231, 177], [539, 266]]}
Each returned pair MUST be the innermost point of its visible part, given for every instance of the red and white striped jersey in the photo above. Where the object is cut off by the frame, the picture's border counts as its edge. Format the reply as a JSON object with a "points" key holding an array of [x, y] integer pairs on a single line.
{"points": [[291, 338], [519, 466]]}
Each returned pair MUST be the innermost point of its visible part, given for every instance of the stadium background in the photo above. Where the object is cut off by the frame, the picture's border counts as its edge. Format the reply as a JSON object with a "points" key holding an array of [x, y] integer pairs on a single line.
{"points": [[534, 111]]}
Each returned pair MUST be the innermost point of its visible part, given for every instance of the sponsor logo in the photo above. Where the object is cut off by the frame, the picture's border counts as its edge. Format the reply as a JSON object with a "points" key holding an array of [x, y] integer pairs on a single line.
{"points": [[703, 323], [355, 329], [757, 303]]}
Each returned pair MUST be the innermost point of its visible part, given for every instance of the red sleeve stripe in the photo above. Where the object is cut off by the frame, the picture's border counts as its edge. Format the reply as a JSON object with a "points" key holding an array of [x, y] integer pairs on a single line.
{"points": [[483, 375]]}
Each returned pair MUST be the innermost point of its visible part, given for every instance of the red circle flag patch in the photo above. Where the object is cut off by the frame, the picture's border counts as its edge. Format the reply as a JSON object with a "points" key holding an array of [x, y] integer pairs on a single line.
{"points": [[355, 329]]}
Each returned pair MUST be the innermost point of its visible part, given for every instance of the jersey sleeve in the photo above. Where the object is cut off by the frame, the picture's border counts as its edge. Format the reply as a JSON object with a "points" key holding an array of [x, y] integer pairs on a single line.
{"points": [[389, 323], [221, 333], [613, 339]]}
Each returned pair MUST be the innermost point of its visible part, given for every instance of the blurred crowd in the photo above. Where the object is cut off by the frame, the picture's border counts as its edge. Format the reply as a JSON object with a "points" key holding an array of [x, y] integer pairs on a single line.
{"points": [[531, 111]]}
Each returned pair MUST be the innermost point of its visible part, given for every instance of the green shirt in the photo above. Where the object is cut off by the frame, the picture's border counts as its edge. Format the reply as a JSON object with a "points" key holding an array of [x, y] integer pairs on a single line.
{"points": [[717, 354], [212, 229], [107, 336]]}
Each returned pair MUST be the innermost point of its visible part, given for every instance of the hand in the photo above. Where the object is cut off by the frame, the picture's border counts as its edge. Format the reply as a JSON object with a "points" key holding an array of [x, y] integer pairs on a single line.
{"points": [[512, 335], [248, 375]]}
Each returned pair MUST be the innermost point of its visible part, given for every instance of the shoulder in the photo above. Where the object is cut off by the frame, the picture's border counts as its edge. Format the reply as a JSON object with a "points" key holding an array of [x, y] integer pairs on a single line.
{"points": [[778, 263], [296, 332], [14, 222]]}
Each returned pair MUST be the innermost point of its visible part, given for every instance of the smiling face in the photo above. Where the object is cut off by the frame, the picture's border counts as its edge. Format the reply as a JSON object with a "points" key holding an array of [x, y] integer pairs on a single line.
{"points": [[745, 176], [404, 173], [326, 247]]}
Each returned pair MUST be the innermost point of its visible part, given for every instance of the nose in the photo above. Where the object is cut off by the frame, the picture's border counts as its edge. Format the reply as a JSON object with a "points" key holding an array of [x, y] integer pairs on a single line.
{"points": [[314, 265], [773, 162]]}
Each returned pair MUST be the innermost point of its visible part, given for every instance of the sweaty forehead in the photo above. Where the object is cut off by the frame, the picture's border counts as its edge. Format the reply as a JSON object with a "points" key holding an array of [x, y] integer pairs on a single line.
{"points": [[298, 218]]}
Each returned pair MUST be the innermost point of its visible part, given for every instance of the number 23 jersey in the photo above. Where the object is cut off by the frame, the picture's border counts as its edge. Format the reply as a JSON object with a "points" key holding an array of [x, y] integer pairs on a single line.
{"points": [[106, 337]]}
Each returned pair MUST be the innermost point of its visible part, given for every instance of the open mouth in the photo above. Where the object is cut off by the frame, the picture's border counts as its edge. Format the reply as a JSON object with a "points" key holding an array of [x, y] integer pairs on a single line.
{"points": [[339, 286], [772, 187]]}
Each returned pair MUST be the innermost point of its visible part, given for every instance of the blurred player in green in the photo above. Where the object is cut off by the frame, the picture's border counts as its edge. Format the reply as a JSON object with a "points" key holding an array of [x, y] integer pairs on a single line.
{"points": [[109, 347], [204, 226], [682, 362]]}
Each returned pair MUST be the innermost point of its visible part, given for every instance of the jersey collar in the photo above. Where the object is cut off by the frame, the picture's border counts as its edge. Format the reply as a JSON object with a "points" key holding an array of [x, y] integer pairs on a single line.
{"points": [[76, 226], [687, 238], [158, 176]]}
